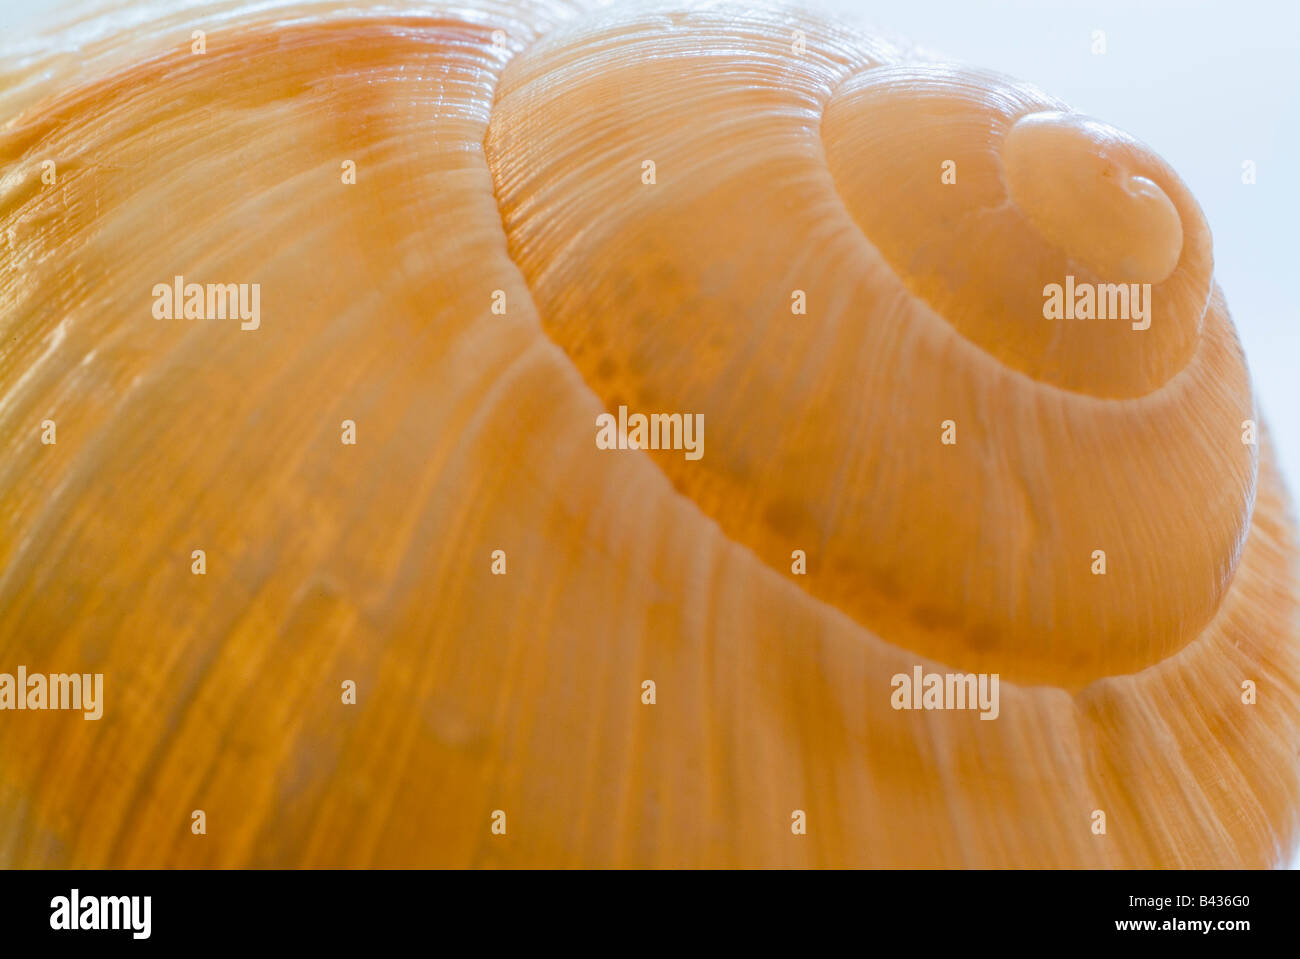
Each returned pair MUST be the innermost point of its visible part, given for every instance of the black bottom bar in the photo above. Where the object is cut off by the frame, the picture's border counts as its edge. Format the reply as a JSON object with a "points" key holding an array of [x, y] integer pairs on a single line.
{"points": [[674, 909]]}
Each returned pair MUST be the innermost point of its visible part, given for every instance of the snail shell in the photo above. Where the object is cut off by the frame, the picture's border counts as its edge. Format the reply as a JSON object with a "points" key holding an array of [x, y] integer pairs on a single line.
{"points": [[502, 272]]}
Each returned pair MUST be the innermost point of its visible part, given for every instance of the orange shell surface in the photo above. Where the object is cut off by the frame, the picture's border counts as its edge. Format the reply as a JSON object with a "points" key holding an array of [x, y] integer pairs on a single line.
{"points": [[559, 210]]}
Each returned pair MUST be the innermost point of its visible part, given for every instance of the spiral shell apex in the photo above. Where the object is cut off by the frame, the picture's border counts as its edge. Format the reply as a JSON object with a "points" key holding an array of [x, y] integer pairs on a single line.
{"points": [[835, 254]]}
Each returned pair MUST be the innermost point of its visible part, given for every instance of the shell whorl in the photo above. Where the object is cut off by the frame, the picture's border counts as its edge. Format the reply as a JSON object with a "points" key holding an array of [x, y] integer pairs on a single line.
{"points": [[500, 149], [813, 175]]}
